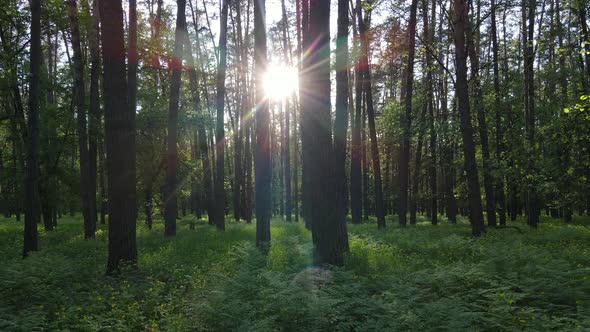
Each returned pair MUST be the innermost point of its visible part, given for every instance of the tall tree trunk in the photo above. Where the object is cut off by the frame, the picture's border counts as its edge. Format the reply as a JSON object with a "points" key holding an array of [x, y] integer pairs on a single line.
{"points": [[404, 171], [32, 203], [171, 203], [368, 90], [103, 190], [500, 197], [94, 111], [429, 38], [328, 235], [120, 139], [295, 109], [79, 87], [201, 117], [532, 204], [132, 59], [240, 109], [287, 137], [366, 201], [341, 121], [474, 196], [262, 162], [356, 191], [303, 100], [220, 131], [417, 166], [478, 107]]}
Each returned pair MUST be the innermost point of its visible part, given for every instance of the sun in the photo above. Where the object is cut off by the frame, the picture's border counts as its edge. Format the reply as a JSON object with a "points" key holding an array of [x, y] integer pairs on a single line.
{"points": [[280, 81]]}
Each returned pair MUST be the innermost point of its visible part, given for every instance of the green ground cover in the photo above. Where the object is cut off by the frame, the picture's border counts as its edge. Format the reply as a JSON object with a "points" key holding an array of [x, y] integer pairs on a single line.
{"points": [[421, 278]]}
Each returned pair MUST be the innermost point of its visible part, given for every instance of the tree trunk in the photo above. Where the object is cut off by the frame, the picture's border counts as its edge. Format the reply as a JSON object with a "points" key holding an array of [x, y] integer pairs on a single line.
{"points": [[356, 191], [500, 197], [532, 204], [328, 235], [368, 90], [341, 121], [171, 203], [120, 140], [201, 128], [79, 87], [262, 162], [287, 137], [429, 37], [32, 204], [220, 131], [303, 100], [94, 112], [478, 106], [132, 59], [474, 196], [417, 166], [404, 171]]}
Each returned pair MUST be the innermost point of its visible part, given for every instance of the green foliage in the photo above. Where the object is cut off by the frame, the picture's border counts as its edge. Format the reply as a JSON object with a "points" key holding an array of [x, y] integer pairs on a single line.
{"points": [[419, 278]]}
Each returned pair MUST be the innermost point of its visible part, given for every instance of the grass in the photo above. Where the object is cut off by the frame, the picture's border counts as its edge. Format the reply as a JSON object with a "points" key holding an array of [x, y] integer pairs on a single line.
{"points": [[420, 278]]}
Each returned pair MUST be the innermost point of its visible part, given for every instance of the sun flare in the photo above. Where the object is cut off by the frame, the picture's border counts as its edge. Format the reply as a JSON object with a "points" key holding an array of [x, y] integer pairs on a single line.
{"points": [[280, 81]]}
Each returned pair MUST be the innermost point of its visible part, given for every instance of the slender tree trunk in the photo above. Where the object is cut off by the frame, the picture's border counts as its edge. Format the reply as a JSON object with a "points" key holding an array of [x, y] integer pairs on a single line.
{"points": [[201, 127], [262, 162], [248, 163], [341, 121], [417, 166], [94, 112], [32, 203], [356, 148], [429, 37], [171, 203], [474, 196], [120, 139], [367, 87], [404, 171], [500, 197], [366, 201], [478, 106], [220, 130], [287, 136], [103, 190], [295, 109], [79, 87], [532, 201], [303, 100]]}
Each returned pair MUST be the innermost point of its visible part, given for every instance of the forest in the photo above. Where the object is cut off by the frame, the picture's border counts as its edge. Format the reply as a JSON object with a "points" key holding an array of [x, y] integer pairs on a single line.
{"points": [[294, 165]]}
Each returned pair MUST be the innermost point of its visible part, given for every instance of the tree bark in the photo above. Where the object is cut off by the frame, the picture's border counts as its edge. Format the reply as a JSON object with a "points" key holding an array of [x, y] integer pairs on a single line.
{"points": [[500, 196], [474, 196], [341, 121], [532, 204], [94, 111], [80, 90], [120, 140], [287, 136], [220, 130], [32, 203], [262, 159], [488, 182], [171, 203], [356, 194], [328, 235], [429, 38], [404, 169]]}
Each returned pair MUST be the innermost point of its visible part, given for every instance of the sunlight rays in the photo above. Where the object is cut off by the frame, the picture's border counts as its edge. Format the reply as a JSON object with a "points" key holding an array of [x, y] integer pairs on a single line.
{"points": [[280, 81]]}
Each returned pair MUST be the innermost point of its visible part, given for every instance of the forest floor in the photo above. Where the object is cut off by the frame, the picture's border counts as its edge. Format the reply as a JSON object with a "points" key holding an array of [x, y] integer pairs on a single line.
{"points": [[419, 278]]}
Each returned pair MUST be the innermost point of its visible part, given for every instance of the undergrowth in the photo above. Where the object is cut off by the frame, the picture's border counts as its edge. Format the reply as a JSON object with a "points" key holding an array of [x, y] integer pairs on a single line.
{"points": [[420, 278]]}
